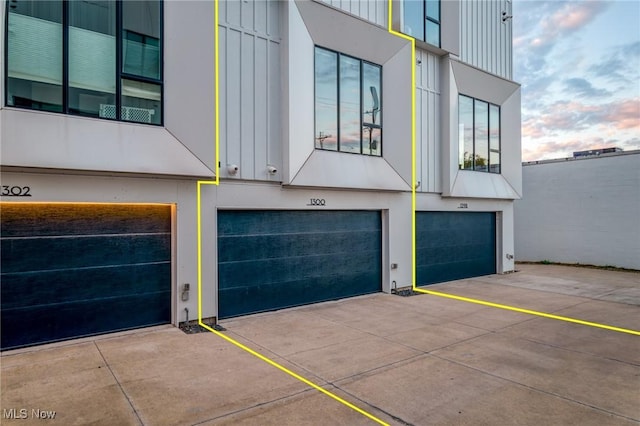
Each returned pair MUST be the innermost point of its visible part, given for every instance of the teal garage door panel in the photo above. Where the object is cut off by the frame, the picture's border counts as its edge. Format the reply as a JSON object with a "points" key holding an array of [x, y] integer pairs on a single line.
{"points": [[270, 260], [454, 245], [72, 270]]}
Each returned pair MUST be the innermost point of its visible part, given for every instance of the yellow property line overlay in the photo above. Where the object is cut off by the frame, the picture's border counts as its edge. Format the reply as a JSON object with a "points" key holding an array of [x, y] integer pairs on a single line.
{"points": [[413, 223], [216, 56], [414, 179], [199, 231], [291, 373], [413, 215], [527, 311]]}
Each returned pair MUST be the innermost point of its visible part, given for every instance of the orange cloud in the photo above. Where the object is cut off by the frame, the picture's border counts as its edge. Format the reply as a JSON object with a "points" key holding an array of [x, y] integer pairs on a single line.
{"points": [[574, 15], [625, 115], [569, 18]]}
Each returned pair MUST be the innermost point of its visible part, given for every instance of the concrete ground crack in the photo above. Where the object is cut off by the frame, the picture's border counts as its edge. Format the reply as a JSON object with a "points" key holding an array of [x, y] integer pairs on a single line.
{"points": [[119, 385], [393, 416], [535, 389]]}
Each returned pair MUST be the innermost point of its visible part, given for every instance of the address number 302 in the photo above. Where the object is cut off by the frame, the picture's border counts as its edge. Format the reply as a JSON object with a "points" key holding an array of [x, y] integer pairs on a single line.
{"points": [[15, 191]]}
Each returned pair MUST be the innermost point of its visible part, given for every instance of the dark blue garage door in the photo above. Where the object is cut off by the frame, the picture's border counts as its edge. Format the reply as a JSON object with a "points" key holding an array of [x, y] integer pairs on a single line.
{"points": [[71, 270], [454, 245], [275, 259]]}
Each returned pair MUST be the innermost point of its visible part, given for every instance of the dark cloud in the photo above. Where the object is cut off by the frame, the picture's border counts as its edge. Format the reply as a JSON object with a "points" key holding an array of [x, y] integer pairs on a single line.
{"points": [[582, 88]]}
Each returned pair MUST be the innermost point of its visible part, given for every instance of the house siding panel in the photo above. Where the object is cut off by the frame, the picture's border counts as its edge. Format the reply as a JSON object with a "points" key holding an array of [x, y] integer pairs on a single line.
{"points": [[428, 138], [485, 40], [374, 11], [250, 113]]}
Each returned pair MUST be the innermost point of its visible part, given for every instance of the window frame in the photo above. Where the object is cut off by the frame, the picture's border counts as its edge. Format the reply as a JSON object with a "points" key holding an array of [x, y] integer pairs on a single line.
{"points": [[426, 18], [361, 106], [474, 137], [120, 74]]}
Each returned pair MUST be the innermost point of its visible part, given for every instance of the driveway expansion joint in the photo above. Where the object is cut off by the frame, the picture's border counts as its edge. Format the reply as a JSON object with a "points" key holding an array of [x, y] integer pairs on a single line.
{"points": [[129, 401]]}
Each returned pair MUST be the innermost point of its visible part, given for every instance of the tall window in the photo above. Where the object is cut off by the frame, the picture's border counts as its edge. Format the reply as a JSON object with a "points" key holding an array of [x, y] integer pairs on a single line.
{"points": [[479, 135], [348, 108], [421, 20], [91, 58]]}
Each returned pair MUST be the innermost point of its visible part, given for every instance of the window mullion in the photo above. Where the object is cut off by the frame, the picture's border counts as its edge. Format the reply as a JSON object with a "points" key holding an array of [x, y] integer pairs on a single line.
{"points": [[361, 112], [500, 139], [134, 77], [338, 102], [118, 64], [424, 20], [488, 154], [473, 151], [65, 56]]}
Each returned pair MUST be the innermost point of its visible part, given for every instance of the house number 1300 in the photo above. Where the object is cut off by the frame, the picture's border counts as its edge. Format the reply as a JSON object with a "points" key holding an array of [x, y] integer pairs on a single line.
{"points": [[316, 202]]}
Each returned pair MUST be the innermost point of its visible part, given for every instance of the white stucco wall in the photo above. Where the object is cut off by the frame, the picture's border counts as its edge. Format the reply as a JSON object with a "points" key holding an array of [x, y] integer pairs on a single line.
{"points": [[581, 211]]}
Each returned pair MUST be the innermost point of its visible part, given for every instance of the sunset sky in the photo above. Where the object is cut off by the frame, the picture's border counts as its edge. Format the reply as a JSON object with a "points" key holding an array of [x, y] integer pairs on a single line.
{"points": [[579, 66]]}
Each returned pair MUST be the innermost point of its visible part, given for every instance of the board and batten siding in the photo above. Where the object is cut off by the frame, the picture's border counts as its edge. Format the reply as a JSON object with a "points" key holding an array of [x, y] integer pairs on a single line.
{"points": [[428, 121], [374, 11], [485, 40], [250, 99]]}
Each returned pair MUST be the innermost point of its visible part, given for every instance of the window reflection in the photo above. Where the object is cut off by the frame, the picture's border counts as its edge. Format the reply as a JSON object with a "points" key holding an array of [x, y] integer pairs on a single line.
{"points": [[481, 158], [92, 55], [326, 88], [141, 102], [465, 120], [433, 9], [479, 135], [141, 38], [371, 109], [413, 14], [349, 104], [494, 139], [57, 48], [34, 55], [421, 20], [348, 108], [432, 33]]}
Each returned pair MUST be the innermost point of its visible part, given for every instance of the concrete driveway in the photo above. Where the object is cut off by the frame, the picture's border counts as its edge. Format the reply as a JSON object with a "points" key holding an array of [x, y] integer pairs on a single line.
{"points": [[419, 360]]}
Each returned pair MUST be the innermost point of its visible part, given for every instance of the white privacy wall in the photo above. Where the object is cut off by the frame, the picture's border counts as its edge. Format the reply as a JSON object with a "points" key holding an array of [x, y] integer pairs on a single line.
{"points": [[485, 40], [581, 211], [250, 99]]}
